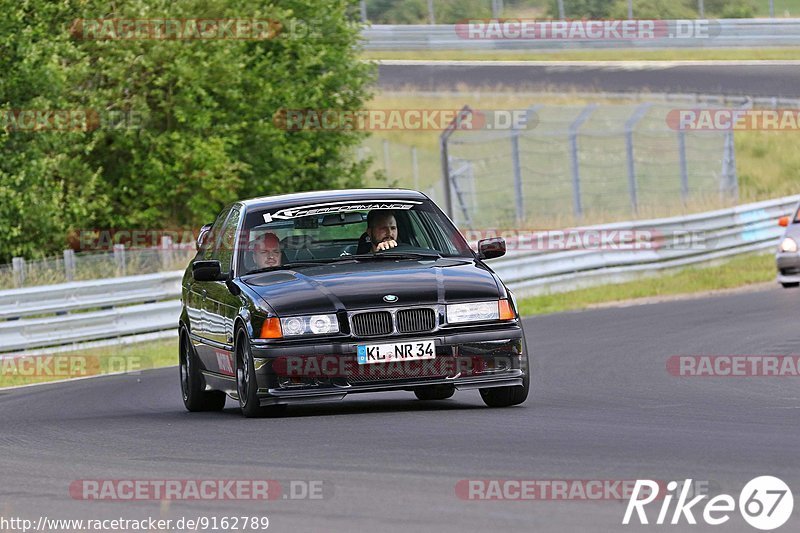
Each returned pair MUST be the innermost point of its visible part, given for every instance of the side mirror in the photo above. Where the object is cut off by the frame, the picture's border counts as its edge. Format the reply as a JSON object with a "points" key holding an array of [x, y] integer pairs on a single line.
{"points": [[207, 271], [201, 237], [783, 221], [491, 248]]}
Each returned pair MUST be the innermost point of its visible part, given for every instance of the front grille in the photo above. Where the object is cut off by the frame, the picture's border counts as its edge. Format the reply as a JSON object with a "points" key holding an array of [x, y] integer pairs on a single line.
{"points": [[374, 323], [416, 320]]}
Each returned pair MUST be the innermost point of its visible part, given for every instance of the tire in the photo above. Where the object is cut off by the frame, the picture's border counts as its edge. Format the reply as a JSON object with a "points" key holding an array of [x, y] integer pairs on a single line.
{"points": [[195, 397], [435, 392], [791, 285], [508, 396], [246, 383]]}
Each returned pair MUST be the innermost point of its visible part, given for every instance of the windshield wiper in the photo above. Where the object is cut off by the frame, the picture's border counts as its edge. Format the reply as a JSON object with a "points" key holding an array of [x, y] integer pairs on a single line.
{"points": [[395, 255], [285, 266]]}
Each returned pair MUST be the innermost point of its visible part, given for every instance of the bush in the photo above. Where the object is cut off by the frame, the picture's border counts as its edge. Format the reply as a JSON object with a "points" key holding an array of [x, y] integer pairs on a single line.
{"points": [[207, 107]]}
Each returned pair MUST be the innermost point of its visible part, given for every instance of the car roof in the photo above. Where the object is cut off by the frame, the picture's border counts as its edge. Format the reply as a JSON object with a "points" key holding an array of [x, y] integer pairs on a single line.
{"points": [[285, 200]]}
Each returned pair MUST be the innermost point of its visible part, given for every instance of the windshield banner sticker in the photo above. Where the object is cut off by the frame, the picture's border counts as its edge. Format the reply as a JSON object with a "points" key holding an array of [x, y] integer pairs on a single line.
{"points": [[338, 207]]}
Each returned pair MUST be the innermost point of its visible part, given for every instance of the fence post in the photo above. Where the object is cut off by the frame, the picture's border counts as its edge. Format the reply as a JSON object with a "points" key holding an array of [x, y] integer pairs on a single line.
{"points": [[577, 207], [69, 265], [415, 167], [165, 251], [518, 201], [638, 114], [729, 183], [18, 267], [119, 259], [387, 165], [684, 169], [443, 152]]}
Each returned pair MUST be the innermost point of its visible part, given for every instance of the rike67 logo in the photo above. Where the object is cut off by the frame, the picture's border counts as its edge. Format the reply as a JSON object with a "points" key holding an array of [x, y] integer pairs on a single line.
{"points": [[765, 502]]}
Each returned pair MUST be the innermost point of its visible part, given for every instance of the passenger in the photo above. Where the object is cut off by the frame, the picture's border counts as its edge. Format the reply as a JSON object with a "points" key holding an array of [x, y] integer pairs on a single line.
{"points": [[382, 229], [267, 251]]}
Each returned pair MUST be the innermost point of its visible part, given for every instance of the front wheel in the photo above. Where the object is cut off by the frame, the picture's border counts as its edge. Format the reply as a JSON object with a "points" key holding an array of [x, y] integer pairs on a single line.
{"points": [[508, 396], [246, 383], [195, 397], [791, 285]]}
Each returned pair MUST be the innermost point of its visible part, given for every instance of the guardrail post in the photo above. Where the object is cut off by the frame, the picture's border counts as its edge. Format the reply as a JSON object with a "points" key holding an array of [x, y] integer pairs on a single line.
{"points": [[684, 169], [577, 206], [119, 259], [629, 125], [69, 265], [18, 267]]}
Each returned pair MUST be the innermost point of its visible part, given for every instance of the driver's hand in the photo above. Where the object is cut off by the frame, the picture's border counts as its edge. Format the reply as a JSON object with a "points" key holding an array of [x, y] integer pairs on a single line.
{"points": [[385, 245]]}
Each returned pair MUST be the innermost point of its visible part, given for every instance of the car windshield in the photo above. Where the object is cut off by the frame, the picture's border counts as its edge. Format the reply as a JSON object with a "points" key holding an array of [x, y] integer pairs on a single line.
{"points": [[307, 234]]}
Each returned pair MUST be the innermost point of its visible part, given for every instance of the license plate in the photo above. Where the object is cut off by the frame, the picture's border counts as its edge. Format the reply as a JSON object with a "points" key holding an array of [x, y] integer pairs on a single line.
{"points": [[403, 351]]}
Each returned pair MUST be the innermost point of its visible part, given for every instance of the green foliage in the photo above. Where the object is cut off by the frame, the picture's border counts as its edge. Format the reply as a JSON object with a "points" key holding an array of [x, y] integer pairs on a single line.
{"points": [[730, 9], [650, 9], [416, 11], [578, 9], [198, 128]]}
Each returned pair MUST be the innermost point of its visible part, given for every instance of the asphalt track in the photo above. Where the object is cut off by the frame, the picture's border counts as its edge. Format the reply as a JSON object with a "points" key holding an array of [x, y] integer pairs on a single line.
{"points": [[602, 407], [746, 78]]}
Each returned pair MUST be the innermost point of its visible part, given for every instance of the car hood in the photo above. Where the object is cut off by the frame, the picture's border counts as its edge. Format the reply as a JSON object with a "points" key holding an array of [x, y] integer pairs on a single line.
{"points": [[350, 286]]}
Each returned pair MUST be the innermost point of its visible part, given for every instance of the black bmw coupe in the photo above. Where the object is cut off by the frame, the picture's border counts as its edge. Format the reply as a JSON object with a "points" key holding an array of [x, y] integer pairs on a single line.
{"points": [[313, 296]]}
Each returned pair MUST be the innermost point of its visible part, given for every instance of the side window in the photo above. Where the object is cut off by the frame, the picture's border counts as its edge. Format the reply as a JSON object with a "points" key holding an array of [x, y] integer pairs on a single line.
{"points": [[224, 252], [419, 237], [208, 249]]}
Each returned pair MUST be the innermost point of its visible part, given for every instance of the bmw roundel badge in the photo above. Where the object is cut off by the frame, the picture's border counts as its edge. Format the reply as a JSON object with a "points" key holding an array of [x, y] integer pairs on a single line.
{"points": [[390, 298]]}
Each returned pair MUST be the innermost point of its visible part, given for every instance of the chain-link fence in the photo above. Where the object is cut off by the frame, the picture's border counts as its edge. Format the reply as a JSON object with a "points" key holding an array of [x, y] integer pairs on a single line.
{"points": [[72, 266], [417, 167], [584, 163]]}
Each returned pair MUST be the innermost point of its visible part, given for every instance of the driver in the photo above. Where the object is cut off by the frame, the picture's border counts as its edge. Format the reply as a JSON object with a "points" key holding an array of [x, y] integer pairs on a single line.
{"points": [[382, 229], [267, 251]]}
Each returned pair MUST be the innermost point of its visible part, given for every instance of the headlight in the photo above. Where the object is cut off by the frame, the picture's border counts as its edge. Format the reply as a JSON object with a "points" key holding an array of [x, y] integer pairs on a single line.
{"points": [[309, 325], [788, 245], [479, 312]]}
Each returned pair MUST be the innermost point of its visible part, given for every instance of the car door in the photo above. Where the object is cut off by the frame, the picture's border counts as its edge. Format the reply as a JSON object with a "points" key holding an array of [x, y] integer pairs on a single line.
{"points": [[221, 305], [197, 300]]}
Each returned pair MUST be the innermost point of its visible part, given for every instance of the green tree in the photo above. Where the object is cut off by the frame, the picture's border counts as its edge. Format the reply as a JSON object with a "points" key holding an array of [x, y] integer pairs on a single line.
{"points": [[198, 128], [47, 186]]}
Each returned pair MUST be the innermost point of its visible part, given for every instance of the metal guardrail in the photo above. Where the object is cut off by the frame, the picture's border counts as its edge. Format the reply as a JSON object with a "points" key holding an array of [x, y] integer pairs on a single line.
{"points": [[54, 315], [714, 235], [71, 313], [722, 33]]}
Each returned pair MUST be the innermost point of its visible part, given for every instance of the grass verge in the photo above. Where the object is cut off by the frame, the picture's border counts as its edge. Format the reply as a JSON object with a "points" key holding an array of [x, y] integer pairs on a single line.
{"points": [[738, 272], [131, 358]]}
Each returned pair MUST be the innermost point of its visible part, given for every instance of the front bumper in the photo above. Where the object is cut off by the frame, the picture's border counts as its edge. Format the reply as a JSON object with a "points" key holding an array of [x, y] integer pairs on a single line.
{"points": [[788, 264], [329, 371]]}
